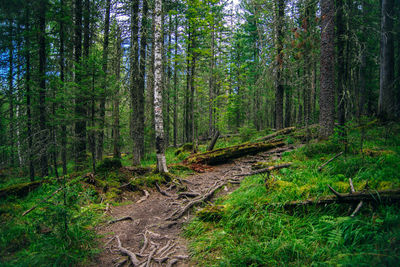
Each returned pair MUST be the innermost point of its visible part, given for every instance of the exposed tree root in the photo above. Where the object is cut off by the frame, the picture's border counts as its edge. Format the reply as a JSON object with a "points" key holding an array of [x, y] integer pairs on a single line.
{"points": [[120, 219], [162, 192], [188, 194], [128, 253], [177, 214], [146, 196]]}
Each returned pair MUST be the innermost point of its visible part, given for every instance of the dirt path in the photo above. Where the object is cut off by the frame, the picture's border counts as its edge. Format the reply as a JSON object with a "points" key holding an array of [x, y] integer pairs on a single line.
{"points": [[154, 218]]}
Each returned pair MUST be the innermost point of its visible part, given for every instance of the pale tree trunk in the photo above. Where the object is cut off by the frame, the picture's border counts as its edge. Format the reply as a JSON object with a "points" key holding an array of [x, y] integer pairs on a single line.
{"points": [[158, 116], [386, 96], [327, 101], [176, 82]]}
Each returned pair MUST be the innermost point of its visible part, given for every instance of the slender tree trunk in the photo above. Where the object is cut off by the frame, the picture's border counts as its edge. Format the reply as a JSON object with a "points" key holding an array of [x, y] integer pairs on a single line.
{"points": [[11, 95], [176, 82], [211, 82], [116, 133], [28, 96], [141, 83], [62, 78], [134, 54], [42, 88], [158, 116], [288, 107], [102, 110], [386, 101], [279, 81], [80, 107], [341, 60], [327, 101], [168, 83]]}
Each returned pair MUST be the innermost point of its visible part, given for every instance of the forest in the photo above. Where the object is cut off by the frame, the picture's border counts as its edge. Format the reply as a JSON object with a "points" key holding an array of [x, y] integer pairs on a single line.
{"points": [[199, 132]]}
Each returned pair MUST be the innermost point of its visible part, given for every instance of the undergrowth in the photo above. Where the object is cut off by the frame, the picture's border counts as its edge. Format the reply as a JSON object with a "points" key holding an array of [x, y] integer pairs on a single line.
{"points": [[251, 232]]}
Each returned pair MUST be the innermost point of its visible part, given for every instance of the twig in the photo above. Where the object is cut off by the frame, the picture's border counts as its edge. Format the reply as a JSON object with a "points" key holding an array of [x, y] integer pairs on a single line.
{"points": [[351, 186], [326, 163], [357, 209], [336, 193], [130, 254], [108, 242], [43, 200]]}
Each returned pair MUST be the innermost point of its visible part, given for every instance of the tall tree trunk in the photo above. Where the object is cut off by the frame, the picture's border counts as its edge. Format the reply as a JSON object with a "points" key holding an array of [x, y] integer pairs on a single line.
{"points": [[62, 78], [176, 82], [102, 110], [288, 107], [158, 116], [42, 88], [168, 82], [116, 132], [80, 107], [28, 95], [327, 80], [139, 138], [386, 96], [341, 60], [211, 82], [134, 54], [279, 81], [11, 94]]}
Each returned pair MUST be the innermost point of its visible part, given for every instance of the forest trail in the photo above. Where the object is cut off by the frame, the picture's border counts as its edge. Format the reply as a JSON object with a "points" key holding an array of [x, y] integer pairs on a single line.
{"points": [[150, 218]]}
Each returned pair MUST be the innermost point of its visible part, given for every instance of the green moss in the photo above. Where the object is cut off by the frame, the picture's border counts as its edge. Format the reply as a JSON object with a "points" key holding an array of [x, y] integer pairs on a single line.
{"points": [[185, 148], [20, 189], [211, 212], [114, 194]]}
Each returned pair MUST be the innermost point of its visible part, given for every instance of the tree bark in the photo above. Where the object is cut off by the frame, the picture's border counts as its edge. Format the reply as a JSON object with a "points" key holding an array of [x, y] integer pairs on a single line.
{"points": [[327, 81], [102, 111], [80, 107], [341, 44], [158, 116], [386, 97], [134, 75], [62, 79], [279, 81], [116, 132], [42, 88], [176, 82]]}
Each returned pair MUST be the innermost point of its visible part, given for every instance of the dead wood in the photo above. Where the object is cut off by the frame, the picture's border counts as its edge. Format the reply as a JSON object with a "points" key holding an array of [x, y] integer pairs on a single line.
{"points": [[120, 219], [162, 192], [269, 169], [42, 201], [330, 160], [20, 189], [213, 141], [277, 133], [128, 253], [177, 214], [224, 155], [383, 196]]}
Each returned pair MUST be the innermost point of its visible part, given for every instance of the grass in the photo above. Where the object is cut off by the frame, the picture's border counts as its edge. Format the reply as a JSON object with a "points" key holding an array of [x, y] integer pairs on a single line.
{"points": [[250, 232]]}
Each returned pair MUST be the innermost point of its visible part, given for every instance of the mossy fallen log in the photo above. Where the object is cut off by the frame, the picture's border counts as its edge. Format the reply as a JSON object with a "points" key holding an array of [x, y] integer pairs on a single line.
{"points": [[277, 133], [223, 155], [383, 196], [20, 190]]}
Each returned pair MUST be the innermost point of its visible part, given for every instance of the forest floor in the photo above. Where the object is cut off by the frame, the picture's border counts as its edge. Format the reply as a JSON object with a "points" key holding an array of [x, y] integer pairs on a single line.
{"points": [[150, 218]]}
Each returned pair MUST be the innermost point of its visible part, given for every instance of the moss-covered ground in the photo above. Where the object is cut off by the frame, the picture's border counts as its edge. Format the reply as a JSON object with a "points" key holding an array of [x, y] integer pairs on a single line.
{"points": [[250, 232]]}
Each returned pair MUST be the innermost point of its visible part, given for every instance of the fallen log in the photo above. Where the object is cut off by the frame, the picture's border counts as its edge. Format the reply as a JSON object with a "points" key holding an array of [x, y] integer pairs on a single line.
{"points": [[277, 133], [268, 169], [383, 196], [224, 155], [20, 189], [213, 141]]}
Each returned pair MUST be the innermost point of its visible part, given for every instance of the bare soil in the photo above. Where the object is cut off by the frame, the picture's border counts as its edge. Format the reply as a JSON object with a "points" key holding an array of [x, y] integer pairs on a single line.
{"points": [[151, 217]]}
